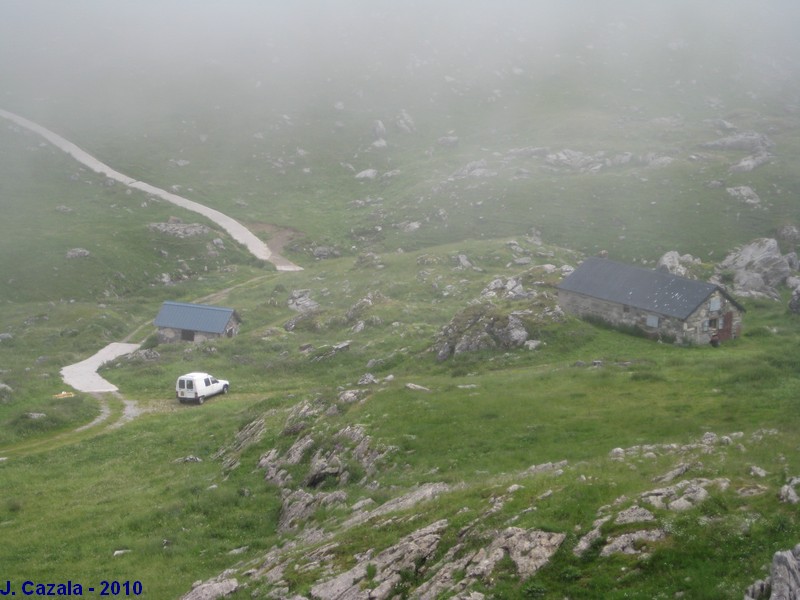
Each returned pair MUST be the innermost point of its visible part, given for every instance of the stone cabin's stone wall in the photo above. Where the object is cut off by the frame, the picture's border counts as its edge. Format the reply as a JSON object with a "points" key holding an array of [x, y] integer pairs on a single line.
{"points": [[167, 335], [709, 318]]}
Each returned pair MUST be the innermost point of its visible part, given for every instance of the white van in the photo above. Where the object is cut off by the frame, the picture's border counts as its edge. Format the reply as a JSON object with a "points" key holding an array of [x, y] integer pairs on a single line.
{"points": [[199, 386]]}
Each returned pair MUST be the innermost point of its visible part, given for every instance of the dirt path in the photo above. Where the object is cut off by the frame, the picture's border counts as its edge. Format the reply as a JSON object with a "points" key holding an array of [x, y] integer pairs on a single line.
{"points": [[83, 377], [236, 230]]}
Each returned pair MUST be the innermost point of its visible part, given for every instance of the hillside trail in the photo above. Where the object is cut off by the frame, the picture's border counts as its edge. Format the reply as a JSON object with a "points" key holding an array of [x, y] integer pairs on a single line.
{"points": [[83, 375], [236, 230]]}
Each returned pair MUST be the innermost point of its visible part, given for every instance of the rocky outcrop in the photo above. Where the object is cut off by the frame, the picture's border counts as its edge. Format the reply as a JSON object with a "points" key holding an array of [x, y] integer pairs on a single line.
{"points": [[480, 327], [375, 577], [749, 141], [213, 589], [300, 301], [299, 506], [758, 145], [783, 582], [528, 549], [484, 325], [677, 264], [757, 269]]}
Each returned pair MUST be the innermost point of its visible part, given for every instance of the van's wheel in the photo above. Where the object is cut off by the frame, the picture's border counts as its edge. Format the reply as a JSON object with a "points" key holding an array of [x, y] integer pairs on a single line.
{"points": [[200, 399], [224, 389]]}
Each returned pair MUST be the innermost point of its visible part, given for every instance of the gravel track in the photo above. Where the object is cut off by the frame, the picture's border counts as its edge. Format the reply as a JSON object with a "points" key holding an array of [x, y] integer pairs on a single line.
{"points": [[235, 229]]}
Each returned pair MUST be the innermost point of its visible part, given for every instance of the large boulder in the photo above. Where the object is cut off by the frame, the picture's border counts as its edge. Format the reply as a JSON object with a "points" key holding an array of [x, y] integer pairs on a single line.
{"points": [[757, 268], [784, 580], [674, 263]]}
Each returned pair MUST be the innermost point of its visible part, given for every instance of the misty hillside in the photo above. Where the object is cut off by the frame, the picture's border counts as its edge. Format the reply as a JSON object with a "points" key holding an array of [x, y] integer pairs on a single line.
{"points": [[412, 414]]}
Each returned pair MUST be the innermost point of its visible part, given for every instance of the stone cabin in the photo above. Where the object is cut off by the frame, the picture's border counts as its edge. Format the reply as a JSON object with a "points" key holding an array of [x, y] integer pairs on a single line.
{"points": [[178, 321], [656, 302]]}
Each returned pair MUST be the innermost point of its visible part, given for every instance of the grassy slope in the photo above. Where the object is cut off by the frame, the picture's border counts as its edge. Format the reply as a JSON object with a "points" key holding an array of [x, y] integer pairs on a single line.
{"points": [[75, 499]]}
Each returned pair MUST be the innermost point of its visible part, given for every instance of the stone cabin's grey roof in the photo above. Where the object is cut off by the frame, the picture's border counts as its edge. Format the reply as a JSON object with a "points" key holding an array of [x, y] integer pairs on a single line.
{"points": [[194, 317], [658, 292]]}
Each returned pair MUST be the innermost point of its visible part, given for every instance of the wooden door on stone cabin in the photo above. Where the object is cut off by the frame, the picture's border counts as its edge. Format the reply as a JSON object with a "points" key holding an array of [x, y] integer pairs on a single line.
{"points": [[726, 327]]}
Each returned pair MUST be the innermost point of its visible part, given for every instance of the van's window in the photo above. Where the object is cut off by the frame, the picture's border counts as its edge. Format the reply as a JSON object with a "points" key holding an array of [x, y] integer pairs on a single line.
{"points": [[207, 381], [181, 384], [189, 384]]}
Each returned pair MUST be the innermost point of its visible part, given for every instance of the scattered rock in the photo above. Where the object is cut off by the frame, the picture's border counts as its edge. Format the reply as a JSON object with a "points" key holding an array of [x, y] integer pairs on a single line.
{"points": [[587, 540], [475, 169], [212, 589], [5, 392], [78, 253], [180, 230], [744, 194], [788, 495], [748, 163], [416, 388], [684, 495], [631, 543], [351, 396], [188, 459], [300, 301], [634, 514], [368, 379], [367, 174]]}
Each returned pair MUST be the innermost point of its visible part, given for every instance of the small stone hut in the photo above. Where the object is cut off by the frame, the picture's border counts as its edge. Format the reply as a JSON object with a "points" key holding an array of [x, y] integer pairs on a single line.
{"points": [[656, 302], [179, 321]]}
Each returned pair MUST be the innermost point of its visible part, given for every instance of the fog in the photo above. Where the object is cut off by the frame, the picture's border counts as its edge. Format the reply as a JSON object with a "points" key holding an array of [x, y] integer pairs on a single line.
{"points": [[123, 54]]}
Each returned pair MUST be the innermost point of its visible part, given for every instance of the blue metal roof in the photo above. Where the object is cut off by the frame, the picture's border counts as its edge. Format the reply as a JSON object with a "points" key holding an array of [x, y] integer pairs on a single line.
{"points": [[658, 292], [194, 317]]}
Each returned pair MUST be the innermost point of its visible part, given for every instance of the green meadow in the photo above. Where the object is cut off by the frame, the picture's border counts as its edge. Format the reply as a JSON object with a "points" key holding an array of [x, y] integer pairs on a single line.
{"points": [[175, 496]]}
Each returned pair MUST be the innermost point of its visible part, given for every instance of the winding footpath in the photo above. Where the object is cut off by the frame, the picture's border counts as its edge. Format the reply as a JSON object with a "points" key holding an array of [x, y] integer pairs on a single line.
{"points": [[83, 376], [235, 229]]}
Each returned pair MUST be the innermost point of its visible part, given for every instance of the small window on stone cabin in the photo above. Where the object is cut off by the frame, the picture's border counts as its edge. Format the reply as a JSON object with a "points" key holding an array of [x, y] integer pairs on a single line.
{"points": [[705, 325], [712, 323], [652, 321], [187, 335], [715, 304]]}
